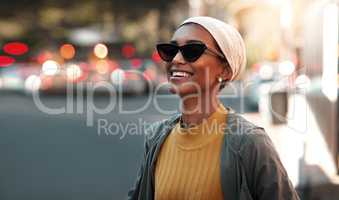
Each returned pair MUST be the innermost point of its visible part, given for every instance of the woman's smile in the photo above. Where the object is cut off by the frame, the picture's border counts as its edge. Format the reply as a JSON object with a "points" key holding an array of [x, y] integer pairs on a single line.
{"points": [[177, 76]]}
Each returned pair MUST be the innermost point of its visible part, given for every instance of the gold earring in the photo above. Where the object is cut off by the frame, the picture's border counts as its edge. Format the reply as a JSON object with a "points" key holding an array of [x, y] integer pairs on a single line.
{"points": [[220, 79]]}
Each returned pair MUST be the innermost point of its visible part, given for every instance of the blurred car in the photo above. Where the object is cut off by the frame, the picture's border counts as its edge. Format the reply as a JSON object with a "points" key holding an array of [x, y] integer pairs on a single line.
{"points": [[104, 76], [50, 78]]}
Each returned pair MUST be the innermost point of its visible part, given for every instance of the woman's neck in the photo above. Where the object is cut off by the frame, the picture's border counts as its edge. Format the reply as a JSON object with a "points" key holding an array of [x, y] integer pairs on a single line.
{"points": [[197, 108]]}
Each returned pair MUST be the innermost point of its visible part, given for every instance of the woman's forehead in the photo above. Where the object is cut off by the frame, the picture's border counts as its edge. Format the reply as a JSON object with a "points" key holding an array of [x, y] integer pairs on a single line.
{"points": [[192, 32]]}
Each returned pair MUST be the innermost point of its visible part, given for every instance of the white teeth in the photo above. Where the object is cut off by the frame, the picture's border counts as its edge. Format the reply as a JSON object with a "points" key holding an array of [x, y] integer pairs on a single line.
{"points": [[181, 74]]}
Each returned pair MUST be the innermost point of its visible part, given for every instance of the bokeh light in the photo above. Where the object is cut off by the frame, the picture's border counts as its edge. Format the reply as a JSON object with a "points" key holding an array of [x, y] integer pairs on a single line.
{"points": [[6, 61], [102, 66], [32, 83], [128, 50], [73, 72], [136, 63], [67, 51], [155, 57], [15, 48], [100, 50], [118, 76], [43, 56], [286, 68], [266, 72], [50, 68]]}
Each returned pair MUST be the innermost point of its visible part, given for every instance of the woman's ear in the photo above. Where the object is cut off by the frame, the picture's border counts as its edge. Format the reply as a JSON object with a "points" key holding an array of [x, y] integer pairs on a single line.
{"points": [[225, 77], [227, 73]]}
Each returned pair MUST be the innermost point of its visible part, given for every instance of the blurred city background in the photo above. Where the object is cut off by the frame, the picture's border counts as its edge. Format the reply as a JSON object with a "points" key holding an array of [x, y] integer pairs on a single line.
{"points": [[62, 64]]}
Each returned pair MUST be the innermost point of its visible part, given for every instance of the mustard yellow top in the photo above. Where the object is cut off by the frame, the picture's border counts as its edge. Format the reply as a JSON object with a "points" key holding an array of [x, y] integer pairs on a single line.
{"points": [[188, 166]]}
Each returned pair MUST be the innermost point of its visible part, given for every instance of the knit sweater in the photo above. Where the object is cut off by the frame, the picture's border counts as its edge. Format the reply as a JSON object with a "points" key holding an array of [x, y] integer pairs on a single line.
{"points": [[188, 166]]}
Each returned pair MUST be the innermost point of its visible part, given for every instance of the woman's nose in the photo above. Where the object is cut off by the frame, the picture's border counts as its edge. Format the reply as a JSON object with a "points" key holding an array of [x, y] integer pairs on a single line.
{"points": [[178, 58]]}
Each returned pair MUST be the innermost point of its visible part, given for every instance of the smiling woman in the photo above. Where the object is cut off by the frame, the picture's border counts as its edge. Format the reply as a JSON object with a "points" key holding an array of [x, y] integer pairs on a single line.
{"points": [[207, 151]]}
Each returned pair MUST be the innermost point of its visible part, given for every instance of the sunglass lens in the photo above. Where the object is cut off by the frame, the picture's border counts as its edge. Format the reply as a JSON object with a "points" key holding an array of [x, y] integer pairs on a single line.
{"points": [[167, 51], [192, 52]]}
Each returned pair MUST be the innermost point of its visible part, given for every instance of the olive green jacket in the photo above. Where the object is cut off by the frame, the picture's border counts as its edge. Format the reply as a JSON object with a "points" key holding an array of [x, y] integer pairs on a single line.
{"points": [[250, 166]]}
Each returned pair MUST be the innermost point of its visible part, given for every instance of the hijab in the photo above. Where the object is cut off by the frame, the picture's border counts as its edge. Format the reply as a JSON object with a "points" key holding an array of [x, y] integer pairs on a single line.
{"points": [[228, 39]]}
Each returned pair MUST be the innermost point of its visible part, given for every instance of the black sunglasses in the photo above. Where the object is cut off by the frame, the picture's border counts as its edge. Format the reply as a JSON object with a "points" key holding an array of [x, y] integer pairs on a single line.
{"points": [[191, 52]]}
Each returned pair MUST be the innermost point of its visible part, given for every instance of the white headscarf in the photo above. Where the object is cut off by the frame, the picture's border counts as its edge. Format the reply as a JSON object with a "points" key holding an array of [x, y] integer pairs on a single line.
{"points": [[228, 39]]}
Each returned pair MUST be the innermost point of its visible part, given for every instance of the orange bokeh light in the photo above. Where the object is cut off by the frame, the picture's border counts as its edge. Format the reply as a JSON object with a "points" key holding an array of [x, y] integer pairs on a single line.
{"points": [[67, 51], [102, 67]]}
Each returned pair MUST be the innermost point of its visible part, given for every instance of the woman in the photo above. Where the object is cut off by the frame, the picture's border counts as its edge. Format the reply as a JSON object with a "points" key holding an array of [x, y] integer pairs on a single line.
{"points": [[207, 151]]}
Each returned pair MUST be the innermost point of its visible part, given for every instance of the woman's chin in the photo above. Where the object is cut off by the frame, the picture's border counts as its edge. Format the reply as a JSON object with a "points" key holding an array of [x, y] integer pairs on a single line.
{"points": [[183, 91]]}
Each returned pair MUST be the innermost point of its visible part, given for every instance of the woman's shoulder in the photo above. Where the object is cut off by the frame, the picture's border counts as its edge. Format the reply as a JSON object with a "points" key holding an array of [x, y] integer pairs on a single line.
{"points": [[237, 124], [160, 128], [244, 134]]}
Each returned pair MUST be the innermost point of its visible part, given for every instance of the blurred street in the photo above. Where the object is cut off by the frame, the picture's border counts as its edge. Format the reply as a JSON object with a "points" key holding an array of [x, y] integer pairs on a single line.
{"points": [[46, 156], [58, 157]]}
